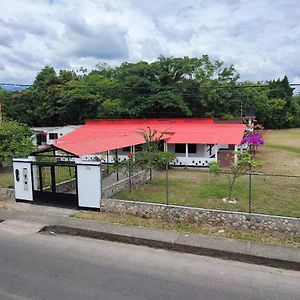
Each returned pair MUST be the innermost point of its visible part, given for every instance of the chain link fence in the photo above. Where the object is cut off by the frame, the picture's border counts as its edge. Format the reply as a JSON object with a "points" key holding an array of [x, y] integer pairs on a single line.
{"points": [[252, 192]]}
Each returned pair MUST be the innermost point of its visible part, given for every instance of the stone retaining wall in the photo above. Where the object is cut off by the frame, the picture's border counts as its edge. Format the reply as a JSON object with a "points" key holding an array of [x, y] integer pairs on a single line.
{"points": [[136, 179], [175, 213], [7, 194], [62, 187]]}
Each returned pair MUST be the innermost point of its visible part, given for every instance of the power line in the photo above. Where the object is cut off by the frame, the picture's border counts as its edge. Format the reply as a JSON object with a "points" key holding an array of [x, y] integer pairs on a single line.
{"points": [[143, 87], [15, 84]]}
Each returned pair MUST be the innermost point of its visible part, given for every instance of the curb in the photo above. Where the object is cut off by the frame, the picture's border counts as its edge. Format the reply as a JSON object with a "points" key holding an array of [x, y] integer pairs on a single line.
{"points": [[173, 246]]}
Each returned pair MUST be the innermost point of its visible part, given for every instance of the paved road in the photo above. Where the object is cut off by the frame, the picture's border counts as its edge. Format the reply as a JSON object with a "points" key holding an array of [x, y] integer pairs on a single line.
{"points": [[36, 266]]}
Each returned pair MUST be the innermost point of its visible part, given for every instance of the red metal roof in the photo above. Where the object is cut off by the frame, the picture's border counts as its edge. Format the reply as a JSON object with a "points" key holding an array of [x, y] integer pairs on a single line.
{"points": [[98, 136]]}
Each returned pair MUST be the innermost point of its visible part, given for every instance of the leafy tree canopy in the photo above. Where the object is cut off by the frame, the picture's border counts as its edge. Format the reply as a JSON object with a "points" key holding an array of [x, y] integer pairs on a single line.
{"points": [[167, 87], [15, 141]]}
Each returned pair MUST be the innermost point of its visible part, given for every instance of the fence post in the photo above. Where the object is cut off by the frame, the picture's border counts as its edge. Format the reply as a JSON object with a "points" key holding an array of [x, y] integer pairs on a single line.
{"points": [[250, 188], [117, 164], [167, 184]]}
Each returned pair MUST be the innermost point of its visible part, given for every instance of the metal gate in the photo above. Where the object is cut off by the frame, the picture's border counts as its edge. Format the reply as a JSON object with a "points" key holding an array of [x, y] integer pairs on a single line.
{"points": [[55, 184]]}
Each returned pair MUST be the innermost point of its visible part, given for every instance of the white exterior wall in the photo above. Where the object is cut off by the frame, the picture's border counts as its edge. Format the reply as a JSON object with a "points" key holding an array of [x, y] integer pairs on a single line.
{"points": [[223, 146], [61, 131], [23, 187], [200, 158], [89, 184]]}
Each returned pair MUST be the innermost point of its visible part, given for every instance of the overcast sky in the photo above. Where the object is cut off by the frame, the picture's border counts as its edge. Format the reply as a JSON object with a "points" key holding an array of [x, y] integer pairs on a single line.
{"points": [[261, 38]]}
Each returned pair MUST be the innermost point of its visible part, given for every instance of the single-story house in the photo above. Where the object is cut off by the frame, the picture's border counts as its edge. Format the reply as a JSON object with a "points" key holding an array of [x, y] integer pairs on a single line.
{"points": [[195, 141]]}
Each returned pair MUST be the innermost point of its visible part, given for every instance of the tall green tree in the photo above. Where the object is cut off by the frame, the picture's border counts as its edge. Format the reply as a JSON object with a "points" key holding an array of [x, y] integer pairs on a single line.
{"points": [[15, 141]]}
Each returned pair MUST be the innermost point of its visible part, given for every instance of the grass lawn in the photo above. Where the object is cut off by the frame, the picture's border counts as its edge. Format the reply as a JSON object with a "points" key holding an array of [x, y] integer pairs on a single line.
{"points": [[6, 178], [205, 229], [270, 195]]}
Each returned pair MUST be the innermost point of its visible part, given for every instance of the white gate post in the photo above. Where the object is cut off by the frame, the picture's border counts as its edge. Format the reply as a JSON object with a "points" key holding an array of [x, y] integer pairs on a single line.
{"points": [[89, 184], [23, 179]]}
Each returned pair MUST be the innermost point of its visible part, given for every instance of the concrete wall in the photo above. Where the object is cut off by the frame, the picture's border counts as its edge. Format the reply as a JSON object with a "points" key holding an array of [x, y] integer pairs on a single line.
{"points": [[7, 194], [89, 184], [23, 184], [175, 213], [123, 184]]}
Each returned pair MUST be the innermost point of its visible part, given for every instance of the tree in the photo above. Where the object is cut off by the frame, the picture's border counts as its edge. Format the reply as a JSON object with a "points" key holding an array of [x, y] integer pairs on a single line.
{"points": [[254, 140], [239, 168], [167, 87], [15, 141], [152, 157]]}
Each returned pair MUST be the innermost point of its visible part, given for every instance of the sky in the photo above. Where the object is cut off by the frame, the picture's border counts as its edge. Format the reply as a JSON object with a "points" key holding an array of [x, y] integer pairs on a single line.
{"points": [[261, 38]]}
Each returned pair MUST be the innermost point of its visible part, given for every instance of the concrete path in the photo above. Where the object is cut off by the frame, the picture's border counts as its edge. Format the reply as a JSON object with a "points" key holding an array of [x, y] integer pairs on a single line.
{"points": [[56, 220], [112, 178]]}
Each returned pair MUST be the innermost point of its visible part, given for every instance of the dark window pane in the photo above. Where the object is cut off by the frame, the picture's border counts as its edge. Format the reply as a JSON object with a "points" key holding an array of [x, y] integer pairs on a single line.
{"points": [[192, 148], [126, 149], [53, 136], [179, 148]]}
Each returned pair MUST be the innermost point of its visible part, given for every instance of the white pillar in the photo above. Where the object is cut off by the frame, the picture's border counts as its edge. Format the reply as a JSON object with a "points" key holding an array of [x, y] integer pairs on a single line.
{"points": [[235, 154], [186, 150], [23, 179], [133, 149], [165, 146], [89, 179], [216, 152]]}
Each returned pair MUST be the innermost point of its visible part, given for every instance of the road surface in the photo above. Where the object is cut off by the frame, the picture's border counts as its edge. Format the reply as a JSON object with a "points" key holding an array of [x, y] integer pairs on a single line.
{"points": [[37, 266]]}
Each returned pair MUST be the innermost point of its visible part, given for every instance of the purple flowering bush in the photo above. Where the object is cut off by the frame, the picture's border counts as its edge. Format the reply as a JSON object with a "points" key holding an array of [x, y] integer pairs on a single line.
{"points": [[253, 139]]}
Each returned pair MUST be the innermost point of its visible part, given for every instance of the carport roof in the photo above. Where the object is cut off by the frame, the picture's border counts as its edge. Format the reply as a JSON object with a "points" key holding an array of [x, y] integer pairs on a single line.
{"points": [[98, 136]]}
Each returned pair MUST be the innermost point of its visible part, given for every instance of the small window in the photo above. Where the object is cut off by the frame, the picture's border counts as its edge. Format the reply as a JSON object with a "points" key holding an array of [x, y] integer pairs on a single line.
{"points": [[192, 148], [179, 148], [126, 149], [40, 139], [53, 136]]}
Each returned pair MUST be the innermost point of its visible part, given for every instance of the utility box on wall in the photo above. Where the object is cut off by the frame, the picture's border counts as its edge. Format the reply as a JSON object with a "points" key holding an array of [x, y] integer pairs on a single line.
{"points": [[89, 184], [23, 179]]}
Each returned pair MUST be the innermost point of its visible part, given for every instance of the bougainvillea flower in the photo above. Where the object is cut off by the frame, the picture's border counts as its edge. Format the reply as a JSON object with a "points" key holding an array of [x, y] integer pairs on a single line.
{"points": [[253, 139]]}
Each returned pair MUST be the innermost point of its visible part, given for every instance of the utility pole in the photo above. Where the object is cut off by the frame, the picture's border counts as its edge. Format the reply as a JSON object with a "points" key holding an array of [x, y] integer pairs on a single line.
{"points": [[241, 109]]}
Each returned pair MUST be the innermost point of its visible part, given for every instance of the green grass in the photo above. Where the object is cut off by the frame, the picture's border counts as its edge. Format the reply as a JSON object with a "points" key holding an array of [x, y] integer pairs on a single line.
{"points": [[6, 178], [270, 195], [204, 229], [288, 148]]}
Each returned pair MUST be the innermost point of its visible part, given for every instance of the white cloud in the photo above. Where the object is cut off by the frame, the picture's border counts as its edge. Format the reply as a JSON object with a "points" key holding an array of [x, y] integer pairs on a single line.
{"points": [[259, 37]]}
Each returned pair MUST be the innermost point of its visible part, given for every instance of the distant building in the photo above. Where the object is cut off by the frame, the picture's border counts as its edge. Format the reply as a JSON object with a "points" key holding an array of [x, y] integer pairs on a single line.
{"points": [[47, 135]]}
